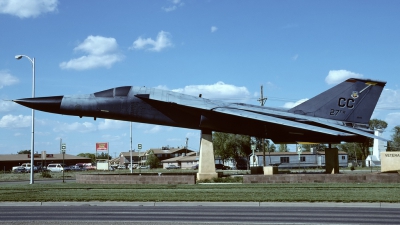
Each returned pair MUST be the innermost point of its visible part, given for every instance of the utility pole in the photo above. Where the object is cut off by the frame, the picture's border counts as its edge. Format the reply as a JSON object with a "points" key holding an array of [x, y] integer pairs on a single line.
{"points": [[186, 145], [262, 102]]}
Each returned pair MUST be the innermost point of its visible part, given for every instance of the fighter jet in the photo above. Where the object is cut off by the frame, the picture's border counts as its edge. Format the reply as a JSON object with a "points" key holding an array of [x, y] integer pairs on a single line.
{"points": [[341, 113]]}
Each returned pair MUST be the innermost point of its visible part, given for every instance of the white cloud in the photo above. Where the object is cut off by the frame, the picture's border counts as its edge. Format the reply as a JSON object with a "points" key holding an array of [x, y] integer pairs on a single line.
{"points": [[389, 99], [393, 119], [109, 137], [289, 105], [27, 8], [295, 57], [162, 41], [112, 124], [174, 6], [6, 106], [337, 76], [215, 91], [101, 52], [84, 127], [214, 29], [15, 121], [154, 129], [6, 79]]}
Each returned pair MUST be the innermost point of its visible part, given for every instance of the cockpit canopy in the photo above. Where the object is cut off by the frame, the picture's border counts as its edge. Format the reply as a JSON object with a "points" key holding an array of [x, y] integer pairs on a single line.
{"points": [[114, 92]]}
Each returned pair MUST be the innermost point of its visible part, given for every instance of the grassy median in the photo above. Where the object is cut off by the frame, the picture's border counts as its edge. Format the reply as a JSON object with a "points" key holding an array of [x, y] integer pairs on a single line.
{"points": [[40, 192], [225, 192]]}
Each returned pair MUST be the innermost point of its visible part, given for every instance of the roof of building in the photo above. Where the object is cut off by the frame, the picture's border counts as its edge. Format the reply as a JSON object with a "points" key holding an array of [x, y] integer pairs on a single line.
{"points": [[188, 158], [163, 150], [128, 154], [26, 157], [167, 150]]}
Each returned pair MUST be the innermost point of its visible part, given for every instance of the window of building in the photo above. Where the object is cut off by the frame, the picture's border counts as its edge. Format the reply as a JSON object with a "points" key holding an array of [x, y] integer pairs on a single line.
{"points": [[343, 157], [284, 159], [302, 158]]}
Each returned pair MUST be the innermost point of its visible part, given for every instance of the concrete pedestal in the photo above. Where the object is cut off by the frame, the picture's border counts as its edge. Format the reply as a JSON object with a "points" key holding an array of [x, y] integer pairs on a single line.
{"points": [[206, 158], [331, 160], [270, 170]]}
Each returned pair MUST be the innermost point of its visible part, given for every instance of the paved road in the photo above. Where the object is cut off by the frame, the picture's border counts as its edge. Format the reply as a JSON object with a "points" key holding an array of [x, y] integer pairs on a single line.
{"points": [[198, 213]]}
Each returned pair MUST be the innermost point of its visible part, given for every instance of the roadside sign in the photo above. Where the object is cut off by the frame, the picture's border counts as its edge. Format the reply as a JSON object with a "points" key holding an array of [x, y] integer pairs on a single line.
{"points": [[63, 146], [139, 146]]}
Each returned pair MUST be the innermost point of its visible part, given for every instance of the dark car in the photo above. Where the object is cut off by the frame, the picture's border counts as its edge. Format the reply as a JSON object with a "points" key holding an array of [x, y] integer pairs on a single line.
{"points": [[221, 167], [75, 168]]}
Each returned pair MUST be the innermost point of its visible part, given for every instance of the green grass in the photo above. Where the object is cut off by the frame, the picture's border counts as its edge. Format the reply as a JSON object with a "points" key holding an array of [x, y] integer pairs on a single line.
{"points": [[202, 192], [230, 190]]}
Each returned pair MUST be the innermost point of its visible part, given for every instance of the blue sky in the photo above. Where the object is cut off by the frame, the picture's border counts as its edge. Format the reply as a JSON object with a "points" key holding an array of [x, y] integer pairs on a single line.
{"points": [[221, 48]]}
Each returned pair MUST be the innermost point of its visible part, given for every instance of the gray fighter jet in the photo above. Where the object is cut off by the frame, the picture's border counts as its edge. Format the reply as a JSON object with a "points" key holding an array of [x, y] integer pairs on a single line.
{"points": [[341, 113]]}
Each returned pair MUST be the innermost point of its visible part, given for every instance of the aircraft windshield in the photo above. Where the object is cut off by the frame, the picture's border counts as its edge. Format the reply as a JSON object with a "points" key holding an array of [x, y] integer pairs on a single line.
{"points": [[106, 93], [122, 91], [119, 91]]}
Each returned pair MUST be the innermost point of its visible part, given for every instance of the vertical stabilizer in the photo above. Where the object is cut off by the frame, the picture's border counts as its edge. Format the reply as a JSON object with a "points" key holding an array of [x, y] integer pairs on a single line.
{"points": [[353, 100]]}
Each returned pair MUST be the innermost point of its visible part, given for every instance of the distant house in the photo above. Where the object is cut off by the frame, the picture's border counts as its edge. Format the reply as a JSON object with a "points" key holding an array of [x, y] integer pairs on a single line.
{"points": [[161, 153], [185, 162]]}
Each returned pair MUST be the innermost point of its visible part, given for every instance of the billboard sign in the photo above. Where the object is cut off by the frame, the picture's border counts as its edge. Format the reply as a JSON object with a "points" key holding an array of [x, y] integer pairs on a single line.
{"points": [[102, 146]]}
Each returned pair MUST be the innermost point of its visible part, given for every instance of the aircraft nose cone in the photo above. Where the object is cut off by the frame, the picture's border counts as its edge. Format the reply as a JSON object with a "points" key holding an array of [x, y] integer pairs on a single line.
{"points": [[47, 104]]}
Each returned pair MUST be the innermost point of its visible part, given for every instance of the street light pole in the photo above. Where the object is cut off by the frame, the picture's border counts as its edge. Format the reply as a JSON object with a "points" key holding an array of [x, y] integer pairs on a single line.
{"points": [[63, 153], [130, 151], [18, 57]]}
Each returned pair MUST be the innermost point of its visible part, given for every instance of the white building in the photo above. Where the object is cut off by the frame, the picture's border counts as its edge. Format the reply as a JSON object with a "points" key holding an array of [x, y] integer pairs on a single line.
{"points": [[379, 146], [295, 160]]}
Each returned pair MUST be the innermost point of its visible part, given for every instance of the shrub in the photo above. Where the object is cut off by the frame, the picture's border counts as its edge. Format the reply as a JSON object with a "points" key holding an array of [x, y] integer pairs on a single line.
{"points": [[46, 174]]}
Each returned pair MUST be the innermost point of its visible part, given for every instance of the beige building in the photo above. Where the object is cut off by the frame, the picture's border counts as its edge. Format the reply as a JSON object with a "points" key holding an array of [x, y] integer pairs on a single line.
{"points": [[185, 162], [8, 161]]}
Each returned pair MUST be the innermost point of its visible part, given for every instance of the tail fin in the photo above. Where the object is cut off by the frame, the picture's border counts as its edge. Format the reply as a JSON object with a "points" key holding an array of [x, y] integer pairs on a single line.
{"points": [[353, 100]]}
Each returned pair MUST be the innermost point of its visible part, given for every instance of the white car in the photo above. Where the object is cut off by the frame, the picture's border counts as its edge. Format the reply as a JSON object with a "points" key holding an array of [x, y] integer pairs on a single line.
{"points": [[169, 167], [55, 167], [121, 167]]}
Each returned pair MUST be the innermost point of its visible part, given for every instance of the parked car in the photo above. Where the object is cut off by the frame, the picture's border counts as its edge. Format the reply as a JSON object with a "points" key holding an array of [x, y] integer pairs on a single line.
{"points": [[121, 167], [144, 167], [27, 167], [76, 168], [19, 169], [169, 167], [134, 166], [55, 167], [221, 167], [195, 167]]}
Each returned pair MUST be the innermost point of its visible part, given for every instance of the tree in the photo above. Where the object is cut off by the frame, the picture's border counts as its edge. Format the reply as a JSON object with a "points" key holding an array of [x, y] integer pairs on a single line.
{"points": [[88, 155], [283, 148], [353, 150], [103, 155], [152, 160], [231, 146], [268, 145], [220, 148], [318, 147], [377, 124], [24, 152], [395, 144], [369, 142]]}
